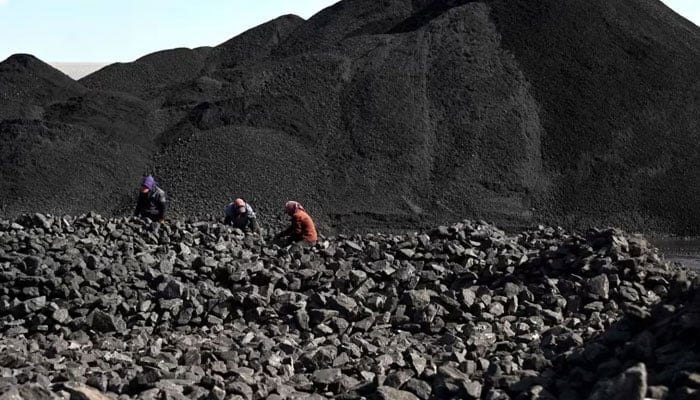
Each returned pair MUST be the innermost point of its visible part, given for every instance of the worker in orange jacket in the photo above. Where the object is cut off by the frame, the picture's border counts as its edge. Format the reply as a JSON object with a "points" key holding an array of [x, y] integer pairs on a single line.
{"points": [[302, 227]]}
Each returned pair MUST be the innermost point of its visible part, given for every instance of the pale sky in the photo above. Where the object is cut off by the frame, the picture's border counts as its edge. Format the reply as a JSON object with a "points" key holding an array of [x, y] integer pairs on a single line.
{"points": [[690, 9], [106, 31]]}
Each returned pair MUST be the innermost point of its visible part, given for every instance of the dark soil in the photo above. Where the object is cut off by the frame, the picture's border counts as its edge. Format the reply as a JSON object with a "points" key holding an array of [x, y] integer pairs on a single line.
{"points": [[389, 114]]}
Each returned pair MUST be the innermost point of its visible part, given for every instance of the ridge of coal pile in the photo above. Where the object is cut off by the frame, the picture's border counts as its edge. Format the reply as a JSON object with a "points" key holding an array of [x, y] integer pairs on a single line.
{"points": [[27, 83], [394, 114], [148, 75], [98, 308]]}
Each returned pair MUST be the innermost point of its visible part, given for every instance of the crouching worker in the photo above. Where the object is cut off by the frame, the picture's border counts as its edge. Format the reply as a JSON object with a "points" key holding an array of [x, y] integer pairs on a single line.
{"points": [[302, 227], [151, 202], [241, 215]]}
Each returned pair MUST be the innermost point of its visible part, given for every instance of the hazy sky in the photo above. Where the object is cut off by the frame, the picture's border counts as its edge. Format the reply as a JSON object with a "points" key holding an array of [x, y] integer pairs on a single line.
{"points": [[687, 8], [123, 30]]}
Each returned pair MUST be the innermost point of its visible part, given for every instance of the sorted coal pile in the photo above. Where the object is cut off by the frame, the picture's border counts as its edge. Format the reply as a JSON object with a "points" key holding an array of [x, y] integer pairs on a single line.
{"points": [[396, 114], [393, 102], [355, 161], [93, 306]]}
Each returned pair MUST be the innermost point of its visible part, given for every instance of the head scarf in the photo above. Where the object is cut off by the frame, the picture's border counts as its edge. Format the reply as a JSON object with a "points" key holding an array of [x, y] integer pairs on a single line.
{"points": [[292, 206]]}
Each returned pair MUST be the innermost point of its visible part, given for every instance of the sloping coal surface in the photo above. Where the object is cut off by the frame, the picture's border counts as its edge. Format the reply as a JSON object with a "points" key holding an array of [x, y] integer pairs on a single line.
{"points": [[614, 83], [64, 148], [27, 82], [397, 113]]}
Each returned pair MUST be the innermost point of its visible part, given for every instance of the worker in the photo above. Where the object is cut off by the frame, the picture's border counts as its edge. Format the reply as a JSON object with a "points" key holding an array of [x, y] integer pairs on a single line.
{"points": [[241, 215], [302, 227], [151, 202]]}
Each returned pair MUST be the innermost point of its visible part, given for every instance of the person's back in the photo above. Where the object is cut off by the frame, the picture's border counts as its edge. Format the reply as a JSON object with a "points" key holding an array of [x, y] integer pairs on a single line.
{"points": [[306, 230], [302, 227]]}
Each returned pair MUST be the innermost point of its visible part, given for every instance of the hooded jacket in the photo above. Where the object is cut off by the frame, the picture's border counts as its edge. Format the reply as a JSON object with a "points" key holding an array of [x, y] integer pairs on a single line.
{"points": [[151, 204]]}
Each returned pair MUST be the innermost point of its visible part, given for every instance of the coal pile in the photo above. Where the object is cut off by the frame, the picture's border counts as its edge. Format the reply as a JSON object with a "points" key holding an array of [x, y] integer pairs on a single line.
{"points": [[27, 83], [93, 306], [392, 114], [64, 148], [653, 353]]}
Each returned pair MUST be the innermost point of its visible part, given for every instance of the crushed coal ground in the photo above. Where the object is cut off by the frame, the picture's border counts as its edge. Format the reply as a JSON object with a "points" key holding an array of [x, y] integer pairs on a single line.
{"points": [[103, 308], [391, 114]]}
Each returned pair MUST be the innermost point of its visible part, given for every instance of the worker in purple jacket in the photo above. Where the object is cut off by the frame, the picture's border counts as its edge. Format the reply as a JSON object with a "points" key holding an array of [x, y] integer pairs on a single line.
{"points": [[151, 202]]}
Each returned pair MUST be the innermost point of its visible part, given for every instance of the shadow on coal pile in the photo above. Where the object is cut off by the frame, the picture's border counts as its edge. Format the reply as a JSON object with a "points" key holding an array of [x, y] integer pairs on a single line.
{"points": [[648, 354]]}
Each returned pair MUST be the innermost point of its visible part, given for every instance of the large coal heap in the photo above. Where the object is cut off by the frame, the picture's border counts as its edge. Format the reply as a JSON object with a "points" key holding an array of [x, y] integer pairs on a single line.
{"points": [[392, 114]]}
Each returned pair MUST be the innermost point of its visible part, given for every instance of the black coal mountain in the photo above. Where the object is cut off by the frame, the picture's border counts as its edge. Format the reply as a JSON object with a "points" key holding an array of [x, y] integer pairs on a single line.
{"points": [[389, 113]]}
